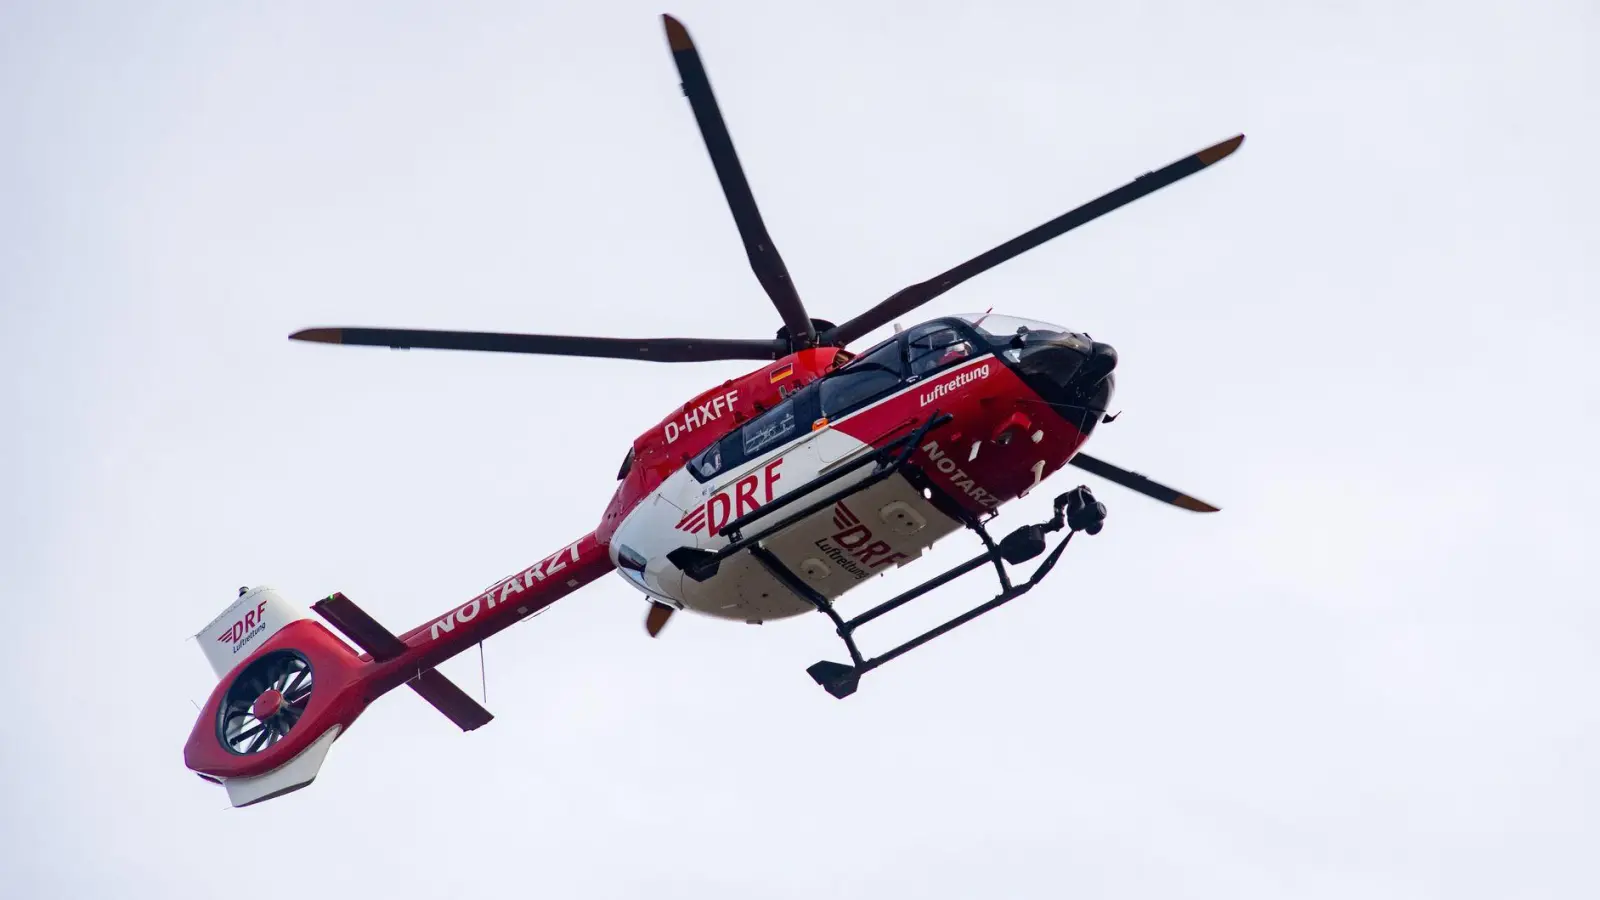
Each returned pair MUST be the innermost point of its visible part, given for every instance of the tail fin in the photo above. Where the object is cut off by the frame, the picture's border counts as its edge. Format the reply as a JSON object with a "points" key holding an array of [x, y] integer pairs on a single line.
{"points": [[249, 622], [288, 687]]}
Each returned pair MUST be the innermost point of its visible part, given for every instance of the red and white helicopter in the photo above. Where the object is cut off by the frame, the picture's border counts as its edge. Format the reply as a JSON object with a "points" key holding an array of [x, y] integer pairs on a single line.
{"points": [[765, 497]]}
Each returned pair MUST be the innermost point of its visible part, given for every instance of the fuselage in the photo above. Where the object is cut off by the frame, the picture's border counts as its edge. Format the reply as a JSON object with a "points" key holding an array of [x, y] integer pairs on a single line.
{"points": [[1022, 397]]}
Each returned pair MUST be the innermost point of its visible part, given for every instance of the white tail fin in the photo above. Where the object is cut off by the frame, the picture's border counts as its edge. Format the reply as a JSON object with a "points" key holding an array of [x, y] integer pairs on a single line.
{"points": [[258, 614]]}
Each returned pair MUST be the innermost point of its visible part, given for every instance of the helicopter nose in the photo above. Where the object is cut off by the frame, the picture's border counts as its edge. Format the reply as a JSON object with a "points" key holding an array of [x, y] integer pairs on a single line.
{"points": [[1067, 364], [1073, 373], [1102, 360], [1087, 381]]}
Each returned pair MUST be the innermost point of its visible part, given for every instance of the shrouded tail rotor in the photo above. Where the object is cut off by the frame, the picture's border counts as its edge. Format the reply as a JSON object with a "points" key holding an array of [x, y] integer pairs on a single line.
{"points": [[265, 701]]}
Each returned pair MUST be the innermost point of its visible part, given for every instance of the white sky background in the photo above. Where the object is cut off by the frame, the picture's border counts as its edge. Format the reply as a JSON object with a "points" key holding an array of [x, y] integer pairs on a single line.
{"points": [[1368, 336]]}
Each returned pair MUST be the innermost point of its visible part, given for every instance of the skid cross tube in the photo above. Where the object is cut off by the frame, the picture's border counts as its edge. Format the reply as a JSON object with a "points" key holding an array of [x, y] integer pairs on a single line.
{"points": [[1004, 597], [1076, 507], [702, 564], [991, 554]]}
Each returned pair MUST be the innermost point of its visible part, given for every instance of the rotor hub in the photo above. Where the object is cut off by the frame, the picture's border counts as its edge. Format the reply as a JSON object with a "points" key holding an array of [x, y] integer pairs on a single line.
{"points": [[267, 705], [818, 325]]}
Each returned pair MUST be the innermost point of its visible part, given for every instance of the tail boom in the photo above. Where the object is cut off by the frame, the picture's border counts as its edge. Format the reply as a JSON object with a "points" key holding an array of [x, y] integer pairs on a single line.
{"points": [[343, 681]]}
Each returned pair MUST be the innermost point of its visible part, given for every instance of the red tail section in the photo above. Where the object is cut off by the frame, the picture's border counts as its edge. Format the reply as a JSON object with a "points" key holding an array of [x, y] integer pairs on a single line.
{"points": [[296, 686]]}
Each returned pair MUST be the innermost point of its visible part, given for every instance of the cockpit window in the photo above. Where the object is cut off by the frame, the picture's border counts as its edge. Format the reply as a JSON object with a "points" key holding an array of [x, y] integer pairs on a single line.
{"points": [[1003, 328], [709, 462], [935, 345], [1010, 333], [863, 379]]}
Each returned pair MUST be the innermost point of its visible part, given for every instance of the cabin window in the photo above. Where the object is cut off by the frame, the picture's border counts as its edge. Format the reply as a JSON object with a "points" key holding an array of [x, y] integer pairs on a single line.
{"points": [[765, 433], [863, 379], [769, 429]]}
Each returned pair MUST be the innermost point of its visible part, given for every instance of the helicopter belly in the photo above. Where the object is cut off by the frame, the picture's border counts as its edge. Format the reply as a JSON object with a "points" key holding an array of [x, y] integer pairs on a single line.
{"points": [[830, 551], [858, 537]]}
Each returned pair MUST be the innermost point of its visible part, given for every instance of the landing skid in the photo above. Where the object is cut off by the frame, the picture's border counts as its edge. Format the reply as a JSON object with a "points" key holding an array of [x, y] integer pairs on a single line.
{"points": [[1076, 510]]}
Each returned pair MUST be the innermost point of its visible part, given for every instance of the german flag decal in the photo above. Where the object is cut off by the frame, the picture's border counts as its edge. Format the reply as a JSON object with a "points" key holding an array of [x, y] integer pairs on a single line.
{"points": [[782, 372]]}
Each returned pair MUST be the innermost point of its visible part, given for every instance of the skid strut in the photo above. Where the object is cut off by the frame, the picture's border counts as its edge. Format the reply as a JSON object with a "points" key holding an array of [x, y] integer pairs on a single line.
{"points": [[1076, 510]]}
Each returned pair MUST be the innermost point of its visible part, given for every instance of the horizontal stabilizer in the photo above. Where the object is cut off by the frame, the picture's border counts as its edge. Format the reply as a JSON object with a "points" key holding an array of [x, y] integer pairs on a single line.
{"points": [[451, 700], [353, 621], [385, 645]]}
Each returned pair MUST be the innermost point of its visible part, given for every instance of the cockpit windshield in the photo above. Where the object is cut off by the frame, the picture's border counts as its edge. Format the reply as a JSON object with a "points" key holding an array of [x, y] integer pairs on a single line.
{"points": [[1003, 328]]}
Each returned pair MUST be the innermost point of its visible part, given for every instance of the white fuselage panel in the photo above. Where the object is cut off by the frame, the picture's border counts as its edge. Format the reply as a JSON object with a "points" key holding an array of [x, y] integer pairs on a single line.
{"points": [[832, 550]]}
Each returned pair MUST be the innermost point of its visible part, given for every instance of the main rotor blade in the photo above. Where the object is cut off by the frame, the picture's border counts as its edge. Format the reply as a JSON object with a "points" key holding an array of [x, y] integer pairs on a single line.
{"points": [[653, 349], [910, 298], [764, 258], [1137, 482]]}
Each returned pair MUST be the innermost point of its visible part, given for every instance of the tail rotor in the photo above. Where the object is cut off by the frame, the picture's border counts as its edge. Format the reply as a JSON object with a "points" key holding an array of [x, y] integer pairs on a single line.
{"points": [[265, 702]]}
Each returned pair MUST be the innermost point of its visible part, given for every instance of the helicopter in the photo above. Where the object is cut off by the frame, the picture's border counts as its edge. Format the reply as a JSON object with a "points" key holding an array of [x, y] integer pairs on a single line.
{"points": [[766, 497]]}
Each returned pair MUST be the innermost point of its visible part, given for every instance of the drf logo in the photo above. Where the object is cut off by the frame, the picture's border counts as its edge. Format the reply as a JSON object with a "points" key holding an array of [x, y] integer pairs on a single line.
{"points": [[733, 501], [852, 545], [244, 626]]}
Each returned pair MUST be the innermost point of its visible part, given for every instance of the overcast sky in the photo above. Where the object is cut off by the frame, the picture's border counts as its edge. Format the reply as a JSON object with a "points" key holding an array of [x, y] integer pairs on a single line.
{"points": [[1368, 336]]}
